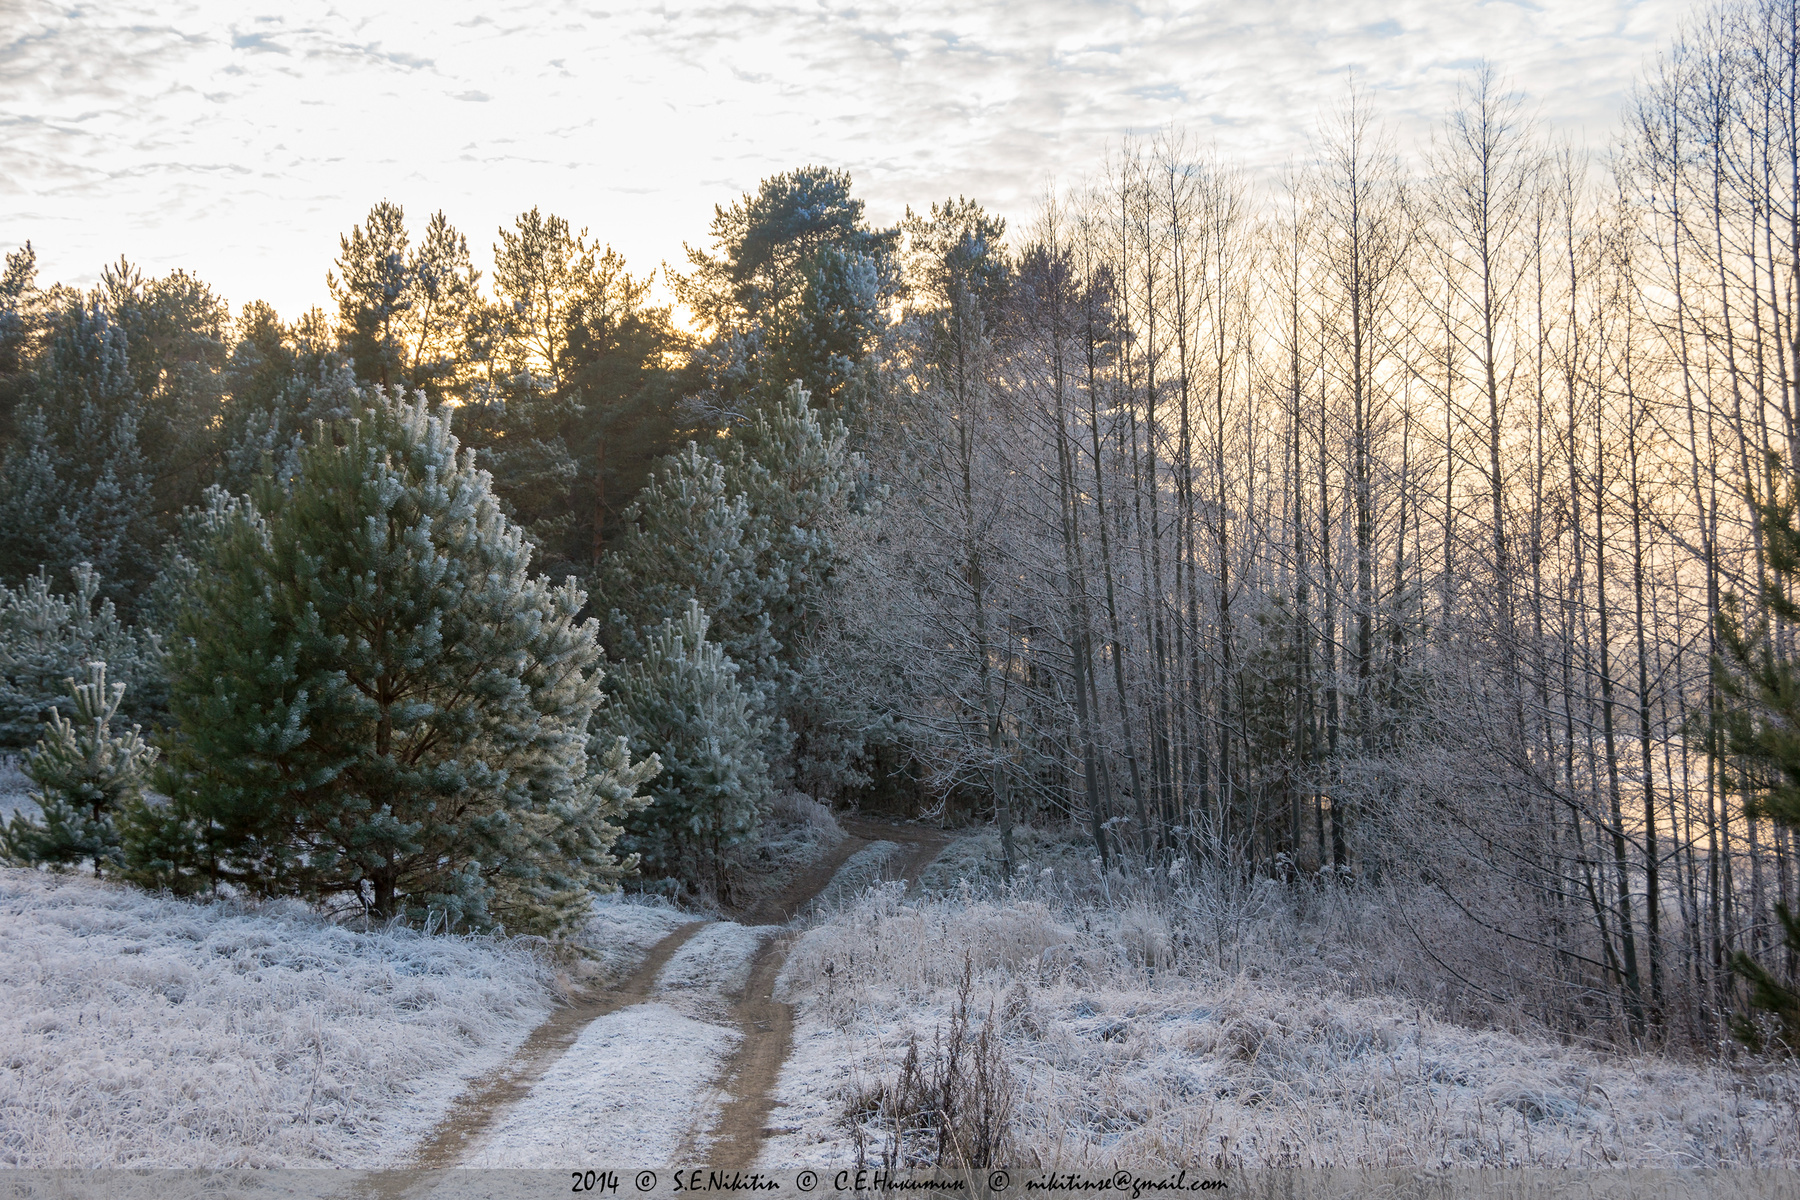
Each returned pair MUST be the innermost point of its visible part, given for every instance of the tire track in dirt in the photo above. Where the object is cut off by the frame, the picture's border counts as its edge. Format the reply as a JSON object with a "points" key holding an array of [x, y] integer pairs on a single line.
{"points": [[747, 1085], [484, 1099], [767, 1024]]}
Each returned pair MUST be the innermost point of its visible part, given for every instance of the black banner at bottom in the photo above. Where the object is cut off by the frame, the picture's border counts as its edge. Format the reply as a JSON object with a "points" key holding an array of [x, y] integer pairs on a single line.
{"points": [[1016, 1183]]}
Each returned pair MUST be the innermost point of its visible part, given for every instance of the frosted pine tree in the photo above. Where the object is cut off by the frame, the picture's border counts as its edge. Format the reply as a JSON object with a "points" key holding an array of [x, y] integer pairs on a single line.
{"points": [[682, 701], [47, 638], [86, 776], [268, 433], [75, 486], [378, 699], [753, 534], [34, 524], [1760, 751], [688, 539], [805, 487]]}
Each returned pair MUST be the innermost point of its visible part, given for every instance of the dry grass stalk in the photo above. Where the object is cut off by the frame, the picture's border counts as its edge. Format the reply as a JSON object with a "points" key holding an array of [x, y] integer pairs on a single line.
{"points": [[955, 1111]]}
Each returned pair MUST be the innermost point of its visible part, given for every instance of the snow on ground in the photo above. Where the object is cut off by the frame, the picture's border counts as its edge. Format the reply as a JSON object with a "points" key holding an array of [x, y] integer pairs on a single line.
{"points": [[626, 1092], [143, 1031], [1123, 1051], [716, 961]]}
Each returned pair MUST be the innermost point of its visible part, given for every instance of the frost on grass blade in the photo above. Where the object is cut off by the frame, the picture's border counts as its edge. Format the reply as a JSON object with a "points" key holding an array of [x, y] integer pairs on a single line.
{"points": [[149, 1032]]}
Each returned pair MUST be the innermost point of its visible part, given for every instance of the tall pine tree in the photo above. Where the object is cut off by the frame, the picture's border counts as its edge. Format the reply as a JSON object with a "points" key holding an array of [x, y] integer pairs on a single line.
{"points": [[574, 397], [751, 529], [681, 700], [75, 485], [377, 698], [793, 290], [1761, 742]]}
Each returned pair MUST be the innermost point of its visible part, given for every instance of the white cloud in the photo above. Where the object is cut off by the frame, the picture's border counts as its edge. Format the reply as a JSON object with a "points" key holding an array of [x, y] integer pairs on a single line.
{"points": [[240, 142]]}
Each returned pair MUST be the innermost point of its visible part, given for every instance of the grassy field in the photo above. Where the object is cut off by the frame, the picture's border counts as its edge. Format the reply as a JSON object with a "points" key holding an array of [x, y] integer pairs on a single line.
{"points": [[1195, 1022], [143, 1031]]}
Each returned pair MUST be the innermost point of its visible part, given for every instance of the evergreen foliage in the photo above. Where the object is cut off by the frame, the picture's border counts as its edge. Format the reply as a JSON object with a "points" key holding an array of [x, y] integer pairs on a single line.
{"points": [[34, 530], [957, 262], [177, 338], [22, 322], [86, 776], [404, 313], [805, 489], [543, 274], [263, 359], [682, 700], [689, 538], [75, 485], [372, 291], [47, 639], [751, 531], [574, 397], [265, 433], [376, 698], [794, 290], [444, 305], [1760, 740], [114, 425]]}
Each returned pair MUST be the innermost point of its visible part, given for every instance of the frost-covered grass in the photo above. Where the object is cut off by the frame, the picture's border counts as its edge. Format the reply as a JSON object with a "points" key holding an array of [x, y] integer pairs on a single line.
{"points": [[628, 1090], [860, 871], [15, 789], [1192, 1026], [143, 1031], [621, 928], [716, 961], [792, 810], [976, 858]]}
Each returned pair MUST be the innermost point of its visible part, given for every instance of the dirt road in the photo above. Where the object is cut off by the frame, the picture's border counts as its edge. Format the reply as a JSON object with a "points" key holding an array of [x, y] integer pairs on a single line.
{"points": [[767, 1024], [727, 1119], [476, 1109]]}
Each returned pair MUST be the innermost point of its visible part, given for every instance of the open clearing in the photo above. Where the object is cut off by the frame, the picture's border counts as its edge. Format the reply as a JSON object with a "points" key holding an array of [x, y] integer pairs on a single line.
{"points": [[142, 1031], [148, 1032], [1135, 1036]]}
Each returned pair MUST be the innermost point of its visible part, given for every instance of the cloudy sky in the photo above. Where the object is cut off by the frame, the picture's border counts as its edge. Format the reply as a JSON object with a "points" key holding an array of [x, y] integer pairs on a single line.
{"points": [[239, 145]]}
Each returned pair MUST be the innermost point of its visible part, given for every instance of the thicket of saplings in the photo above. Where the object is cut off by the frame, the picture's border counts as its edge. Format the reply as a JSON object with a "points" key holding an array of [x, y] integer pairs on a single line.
{"points": [[1427, 530]]}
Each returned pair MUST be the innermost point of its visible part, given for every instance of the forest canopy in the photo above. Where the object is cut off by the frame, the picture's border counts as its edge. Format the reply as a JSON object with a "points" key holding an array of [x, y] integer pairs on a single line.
{"points": [[1419, 522]]}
